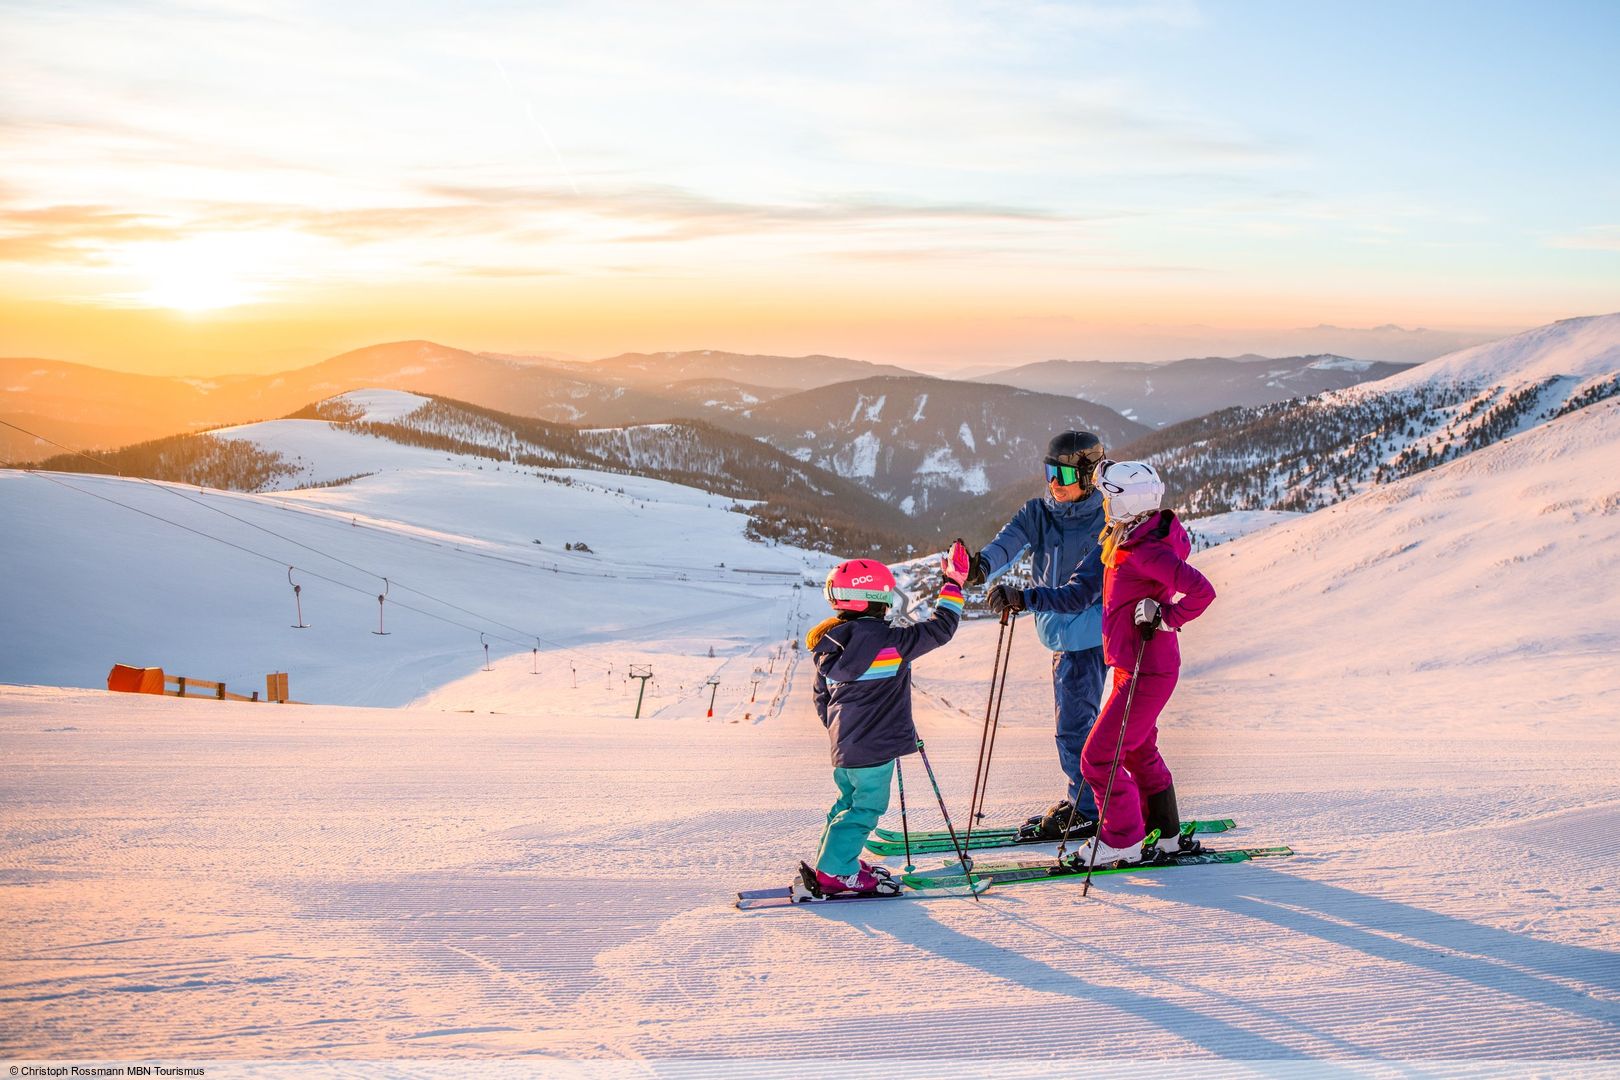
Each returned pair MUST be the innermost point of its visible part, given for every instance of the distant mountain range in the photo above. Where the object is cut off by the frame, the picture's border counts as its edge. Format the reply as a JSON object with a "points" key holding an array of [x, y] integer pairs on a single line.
{"points": [[785, 500], [925, 445], [914, 458], [657, 370], [94, 408], [1305, 453], [937, 441], [1159, 394]]}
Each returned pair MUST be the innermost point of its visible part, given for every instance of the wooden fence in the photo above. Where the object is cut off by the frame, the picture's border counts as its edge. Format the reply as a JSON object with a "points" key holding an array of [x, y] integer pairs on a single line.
{"points": [[154, 681]]}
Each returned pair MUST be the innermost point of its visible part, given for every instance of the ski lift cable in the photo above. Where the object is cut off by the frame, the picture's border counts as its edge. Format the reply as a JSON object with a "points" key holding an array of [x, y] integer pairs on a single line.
{"points": [[327, 555], [268, 558], [182, 495], [287, 539], [308, 547]]}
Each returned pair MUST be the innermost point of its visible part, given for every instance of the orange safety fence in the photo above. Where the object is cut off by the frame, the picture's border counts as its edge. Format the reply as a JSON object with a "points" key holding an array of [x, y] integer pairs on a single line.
{"points": [[135, 680]]}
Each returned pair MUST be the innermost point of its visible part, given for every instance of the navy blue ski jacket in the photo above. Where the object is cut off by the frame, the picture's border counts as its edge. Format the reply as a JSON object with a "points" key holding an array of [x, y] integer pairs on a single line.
{"points": [[1058, 537], [863, 681]]}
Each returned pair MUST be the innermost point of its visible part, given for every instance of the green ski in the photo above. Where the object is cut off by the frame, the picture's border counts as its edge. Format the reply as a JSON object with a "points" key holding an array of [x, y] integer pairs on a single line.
{"points": [[1033, 872], [888, 842]]}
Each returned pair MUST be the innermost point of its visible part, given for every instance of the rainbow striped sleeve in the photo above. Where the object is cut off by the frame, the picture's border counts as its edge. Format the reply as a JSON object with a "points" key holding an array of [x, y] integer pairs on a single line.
{"points": [[950, 596], [886, 666]]}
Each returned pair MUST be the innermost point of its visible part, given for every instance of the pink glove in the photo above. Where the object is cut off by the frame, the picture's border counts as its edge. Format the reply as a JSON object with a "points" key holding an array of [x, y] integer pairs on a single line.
{"points": [[956, 563]]}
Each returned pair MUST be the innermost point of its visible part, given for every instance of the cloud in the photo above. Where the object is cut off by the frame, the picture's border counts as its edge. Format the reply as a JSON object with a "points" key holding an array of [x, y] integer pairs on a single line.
{"points": [[658, 213], [498, 272], [674, 205], [511, 217], [1591, 238], [75, 235]]}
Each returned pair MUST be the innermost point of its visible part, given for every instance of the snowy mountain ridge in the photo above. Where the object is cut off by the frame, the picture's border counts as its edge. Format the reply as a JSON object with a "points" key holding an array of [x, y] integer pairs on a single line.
{"points": [[786, 499], [926, 445], [1164, 393], [1507, 542], [1308, 453], [1581, 348]]}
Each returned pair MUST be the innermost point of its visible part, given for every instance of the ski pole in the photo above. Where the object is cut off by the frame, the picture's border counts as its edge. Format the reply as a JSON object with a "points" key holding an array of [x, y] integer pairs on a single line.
{"points": [[984, 733], [1074, 814], [966, 862], [1119, 748], [905, 826], [995, 724]]}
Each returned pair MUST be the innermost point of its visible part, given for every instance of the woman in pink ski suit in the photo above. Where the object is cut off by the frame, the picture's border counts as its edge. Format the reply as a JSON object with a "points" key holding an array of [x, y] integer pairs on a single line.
{"points": [[1140, 569]]}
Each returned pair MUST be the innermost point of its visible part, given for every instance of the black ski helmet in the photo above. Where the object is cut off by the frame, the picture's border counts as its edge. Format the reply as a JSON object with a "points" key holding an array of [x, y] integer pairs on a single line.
{"points": [[1079, 449]]}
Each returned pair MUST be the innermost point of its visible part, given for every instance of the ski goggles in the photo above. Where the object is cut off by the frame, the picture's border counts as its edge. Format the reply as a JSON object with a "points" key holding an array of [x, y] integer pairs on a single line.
{"points": [[1068, 474]]}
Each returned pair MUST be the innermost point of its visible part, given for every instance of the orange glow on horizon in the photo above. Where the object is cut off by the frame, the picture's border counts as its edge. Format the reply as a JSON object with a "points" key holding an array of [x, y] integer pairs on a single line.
{"points": [[200, 325]]}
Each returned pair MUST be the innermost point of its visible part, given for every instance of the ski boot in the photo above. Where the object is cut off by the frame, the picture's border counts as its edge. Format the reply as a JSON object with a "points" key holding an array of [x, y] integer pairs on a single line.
{"points": [[1107, 857], [814, 885], [1162, 815], [1060, 822], [882, 873], [1061, 806]]}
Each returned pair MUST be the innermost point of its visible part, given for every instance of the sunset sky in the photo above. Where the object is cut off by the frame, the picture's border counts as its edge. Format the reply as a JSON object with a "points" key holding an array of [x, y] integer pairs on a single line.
{"points": [[229, 185]]}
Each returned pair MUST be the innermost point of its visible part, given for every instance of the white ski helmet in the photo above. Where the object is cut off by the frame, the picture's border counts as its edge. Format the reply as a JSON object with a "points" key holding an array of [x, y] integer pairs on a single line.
{"points": [[1130, 488]]}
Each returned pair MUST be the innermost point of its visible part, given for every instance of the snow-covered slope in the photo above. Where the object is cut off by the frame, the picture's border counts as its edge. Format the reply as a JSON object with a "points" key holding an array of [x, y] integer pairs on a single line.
{"points": [[1207, 532], [1485, 572], [1415, 689], [786, 500], [475, 546], [1309, 453], [1571, 348]]}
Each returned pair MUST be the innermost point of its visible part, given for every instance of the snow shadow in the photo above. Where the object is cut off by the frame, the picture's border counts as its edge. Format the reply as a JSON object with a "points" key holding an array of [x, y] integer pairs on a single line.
{"points": [[1178, 1021], [1581, 982]]}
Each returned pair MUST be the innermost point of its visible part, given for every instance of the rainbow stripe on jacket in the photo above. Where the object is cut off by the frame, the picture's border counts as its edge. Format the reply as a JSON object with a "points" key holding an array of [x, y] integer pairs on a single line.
{"points": [[888, 660], [886, 666]]}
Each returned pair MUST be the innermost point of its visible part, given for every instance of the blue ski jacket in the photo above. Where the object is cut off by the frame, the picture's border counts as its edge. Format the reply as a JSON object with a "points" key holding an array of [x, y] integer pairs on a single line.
{"points": [[1058, 537], [863, 680]]}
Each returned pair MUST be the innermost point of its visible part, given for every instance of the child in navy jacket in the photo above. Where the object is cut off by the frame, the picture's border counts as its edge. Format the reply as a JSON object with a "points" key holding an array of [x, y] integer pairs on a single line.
{"points": [[863, 697]]}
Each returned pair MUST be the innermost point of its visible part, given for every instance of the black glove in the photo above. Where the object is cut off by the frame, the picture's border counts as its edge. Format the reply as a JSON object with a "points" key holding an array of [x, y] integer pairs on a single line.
{"points": [[1005, 598], [978, 570]]}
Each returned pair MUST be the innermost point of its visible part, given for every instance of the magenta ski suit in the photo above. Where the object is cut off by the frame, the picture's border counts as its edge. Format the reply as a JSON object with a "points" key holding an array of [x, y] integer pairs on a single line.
{"points": [[1151, 562]]}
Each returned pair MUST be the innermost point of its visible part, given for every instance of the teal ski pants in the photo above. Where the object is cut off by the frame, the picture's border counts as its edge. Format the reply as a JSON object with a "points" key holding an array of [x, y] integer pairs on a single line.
{"points": [[863, 796]]}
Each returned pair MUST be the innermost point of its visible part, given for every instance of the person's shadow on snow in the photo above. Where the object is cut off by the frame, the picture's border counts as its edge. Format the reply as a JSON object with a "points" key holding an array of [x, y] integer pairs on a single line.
{"points": [[1578, 981], [1573, 979], [1210, 1033]]}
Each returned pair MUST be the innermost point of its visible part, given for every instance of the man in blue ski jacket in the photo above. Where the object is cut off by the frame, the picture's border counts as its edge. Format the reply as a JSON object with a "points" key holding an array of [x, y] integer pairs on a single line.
{"points": [[1059, 530]]}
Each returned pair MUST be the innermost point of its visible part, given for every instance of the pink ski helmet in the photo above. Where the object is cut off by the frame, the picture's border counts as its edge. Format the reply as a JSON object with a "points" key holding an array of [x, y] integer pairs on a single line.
{"points": [[859, 583]]}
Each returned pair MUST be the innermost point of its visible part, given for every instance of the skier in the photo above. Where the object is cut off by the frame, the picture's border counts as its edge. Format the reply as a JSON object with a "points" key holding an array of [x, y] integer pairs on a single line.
{"points": [[1058, 530], [863, 697], [1139, 570]]}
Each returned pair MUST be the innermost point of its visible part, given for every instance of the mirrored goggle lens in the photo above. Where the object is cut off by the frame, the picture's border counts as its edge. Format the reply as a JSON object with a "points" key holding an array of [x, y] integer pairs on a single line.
{"points": [[1063, 474]]}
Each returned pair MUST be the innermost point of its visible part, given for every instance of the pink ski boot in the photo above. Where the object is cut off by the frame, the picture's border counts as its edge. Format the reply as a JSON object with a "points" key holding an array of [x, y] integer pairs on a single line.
{"points": [[815, 885]]}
